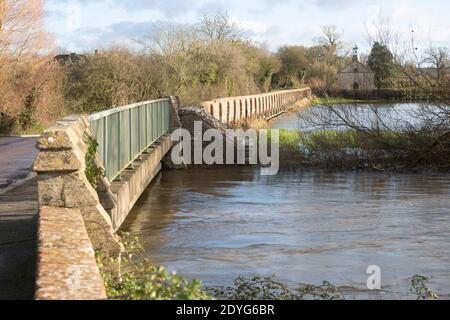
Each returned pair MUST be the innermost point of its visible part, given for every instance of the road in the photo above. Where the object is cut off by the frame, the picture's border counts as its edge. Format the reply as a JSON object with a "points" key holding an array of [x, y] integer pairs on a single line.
{"points": [[16, 158], [18, 214]]}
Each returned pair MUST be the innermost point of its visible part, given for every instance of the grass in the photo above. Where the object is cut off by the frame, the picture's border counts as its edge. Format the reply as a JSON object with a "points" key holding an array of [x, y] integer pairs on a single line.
{"points": [[325, 101], [36, 129], [331, 100], [350, 149], [12, 126]]}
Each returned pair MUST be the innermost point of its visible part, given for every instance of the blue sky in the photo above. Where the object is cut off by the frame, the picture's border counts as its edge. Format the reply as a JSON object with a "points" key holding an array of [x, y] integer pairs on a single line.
{"points": [[84, 25]]}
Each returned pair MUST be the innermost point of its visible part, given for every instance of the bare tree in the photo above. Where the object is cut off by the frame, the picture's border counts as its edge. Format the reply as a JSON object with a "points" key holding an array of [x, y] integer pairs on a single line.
{"points": [[23, 44], [169, 39], [439, 59], [331, 39], [21, 28], [218, 26]]}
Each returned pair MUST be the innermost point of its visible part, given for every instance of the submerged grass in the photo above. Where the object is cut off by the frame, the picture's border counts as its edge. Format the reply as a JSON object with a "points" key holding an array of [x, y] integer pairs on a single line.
{"points": [[349, 149], [332, 101]]}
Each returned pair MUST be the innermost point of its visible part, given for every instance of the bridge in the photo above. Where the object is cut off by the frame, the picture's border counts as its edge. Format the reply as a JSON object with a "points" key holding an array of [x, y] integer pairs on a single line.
{"points": [[91, 170]]}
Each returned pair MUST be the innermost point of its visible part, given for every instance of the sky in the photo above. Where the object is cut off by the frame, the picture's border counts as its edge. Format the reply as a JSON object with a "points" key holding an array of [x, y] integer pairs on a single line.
{"points": [[86, 25]]}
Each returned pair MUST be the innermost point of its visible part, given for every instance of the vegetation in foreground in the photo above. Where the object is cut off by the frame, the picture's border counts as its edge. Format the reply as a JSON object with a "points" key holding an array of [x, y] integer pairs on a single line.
{"points": [[132, 277]]}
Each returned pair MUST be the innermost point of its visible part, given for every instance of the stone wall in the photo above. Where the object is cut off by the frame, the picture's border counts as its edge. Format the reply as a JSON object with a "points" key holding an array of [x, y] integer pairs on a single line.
{"points": [[355, 76], [233, 110], [66, 265], [134, 181], [75, 218], [72, 222], [62, 182]]}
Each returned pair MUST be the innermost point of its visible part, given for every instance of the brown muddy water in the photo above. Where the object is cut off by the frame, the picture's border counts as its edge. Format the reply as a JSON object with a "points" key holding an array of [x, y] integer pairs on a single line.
{"points": [[302, 227]]}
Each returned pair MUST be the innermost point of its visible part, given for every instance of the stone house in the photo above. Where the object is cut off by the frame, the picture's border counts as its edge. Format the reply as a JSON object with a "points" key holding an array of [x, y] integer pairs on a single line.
{"points": [[355, 76], [70, 59]]}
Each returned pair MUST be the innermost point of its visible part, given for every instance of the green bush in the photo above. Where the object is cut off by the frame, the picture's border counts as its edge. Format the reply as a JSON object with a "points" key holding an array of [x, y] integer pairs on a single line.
{"points": [[92, 171], [132, 277], [26, 118]]}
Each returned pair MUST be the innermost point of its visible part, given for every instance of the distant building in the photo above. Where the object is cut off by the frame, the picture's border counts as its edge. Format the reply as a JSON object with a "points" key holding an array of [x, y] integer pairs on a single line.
{"points": [[356, 76], [70, 59]]}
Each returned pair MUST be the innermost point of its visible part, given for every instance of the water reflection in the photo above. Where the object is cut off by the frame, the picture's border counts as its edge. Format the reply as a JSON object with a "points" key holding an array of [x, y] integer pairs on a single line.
{"points": [[303, 227], [398, 116]]}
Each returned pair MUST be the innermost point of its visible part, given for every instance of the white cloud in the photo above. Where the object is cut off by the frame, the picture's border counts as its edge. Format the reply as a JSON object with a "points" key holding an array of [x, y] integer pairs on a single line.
{"points": [[255, 27], [273, 21]]}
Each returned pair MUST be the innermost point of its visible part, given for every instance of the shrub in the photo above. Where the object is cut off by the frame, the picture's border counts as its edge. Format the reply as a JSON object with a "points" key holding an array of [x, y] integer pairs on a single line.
{"points": [[420, 289], [92, 171], [26, 118], [132, 277], [268, 288], [7, 123]]}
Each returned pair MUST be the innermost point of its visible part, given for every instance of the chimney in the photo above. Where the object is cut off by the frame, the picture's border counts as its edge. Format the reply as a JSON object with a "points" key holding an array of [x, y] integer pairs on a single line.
{"points": [[355, 54]]}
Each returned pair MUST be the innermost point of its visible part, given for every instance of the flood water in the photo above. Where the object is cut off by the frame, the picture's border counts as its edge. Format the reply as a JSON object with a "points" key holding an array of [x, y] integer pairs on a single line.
{"points": [[380, 115], [303, 227]]}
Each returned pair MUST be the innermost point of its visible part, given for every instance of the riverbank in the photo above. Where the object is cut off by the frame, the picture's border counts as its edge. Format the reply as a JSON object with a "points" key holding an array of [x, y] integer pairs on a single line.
{"points": [[352, 150], [350, 135], [399, 95]]}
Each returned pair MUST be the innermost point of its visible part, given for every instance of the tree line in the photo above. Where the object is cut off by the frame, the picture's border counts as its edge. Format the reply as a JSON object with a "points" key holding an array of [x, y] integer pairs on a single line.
{"points": [[211, 58]]}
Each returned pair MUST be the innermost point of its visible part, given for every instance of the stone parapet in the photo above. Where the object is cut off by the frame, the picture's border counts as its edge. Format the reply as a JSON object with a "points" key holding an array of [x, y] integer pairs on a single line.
{"points": [[234, 110], [66, 265], [62, 182]]}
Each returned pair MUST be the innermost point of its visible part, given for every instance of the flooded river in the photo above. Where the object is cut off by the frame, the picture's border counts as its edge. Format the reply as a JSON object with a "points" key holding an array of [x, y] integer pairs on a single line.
{"points": [[303, 227], [380, 115]]}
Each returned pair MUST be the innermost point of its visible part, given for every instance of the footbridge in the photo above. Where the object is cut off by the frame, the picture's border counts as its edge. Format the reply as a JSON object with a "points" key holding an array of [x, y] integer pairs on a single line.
{"points": [[91, 170]]}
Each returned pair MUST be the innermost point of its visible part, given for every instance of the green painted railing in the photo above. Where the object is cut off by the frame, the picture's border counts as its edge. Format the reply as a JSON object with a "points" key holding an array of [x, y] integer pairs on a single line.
{"points": [[124, 133]]}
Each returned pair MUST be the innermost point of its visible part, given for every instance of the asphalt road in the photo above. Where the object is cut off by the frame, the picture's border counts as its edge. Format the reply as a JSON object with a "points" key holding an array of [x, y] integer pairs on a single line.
{"points": [[16, 158], [18, 214]]}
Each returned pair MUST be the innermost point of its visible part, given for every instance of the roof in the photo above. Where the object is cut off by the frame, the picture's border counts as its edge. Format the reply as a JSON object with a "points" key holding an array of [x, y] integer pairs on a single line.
{"points": [[361, 68], [67, 59]]}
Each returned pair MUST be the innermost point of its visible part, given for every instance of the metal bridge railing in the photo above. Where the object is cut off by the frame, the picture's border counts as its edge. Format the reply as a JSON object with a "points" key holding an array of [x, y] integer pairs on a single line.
{"points": [[124, 133]]}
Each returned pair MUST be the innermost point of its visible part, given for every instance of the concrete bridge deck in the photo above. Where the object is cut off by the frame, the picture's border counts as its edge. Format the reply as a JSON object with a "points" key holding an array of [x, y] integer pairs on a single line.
{"points": [[18, 217]]}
